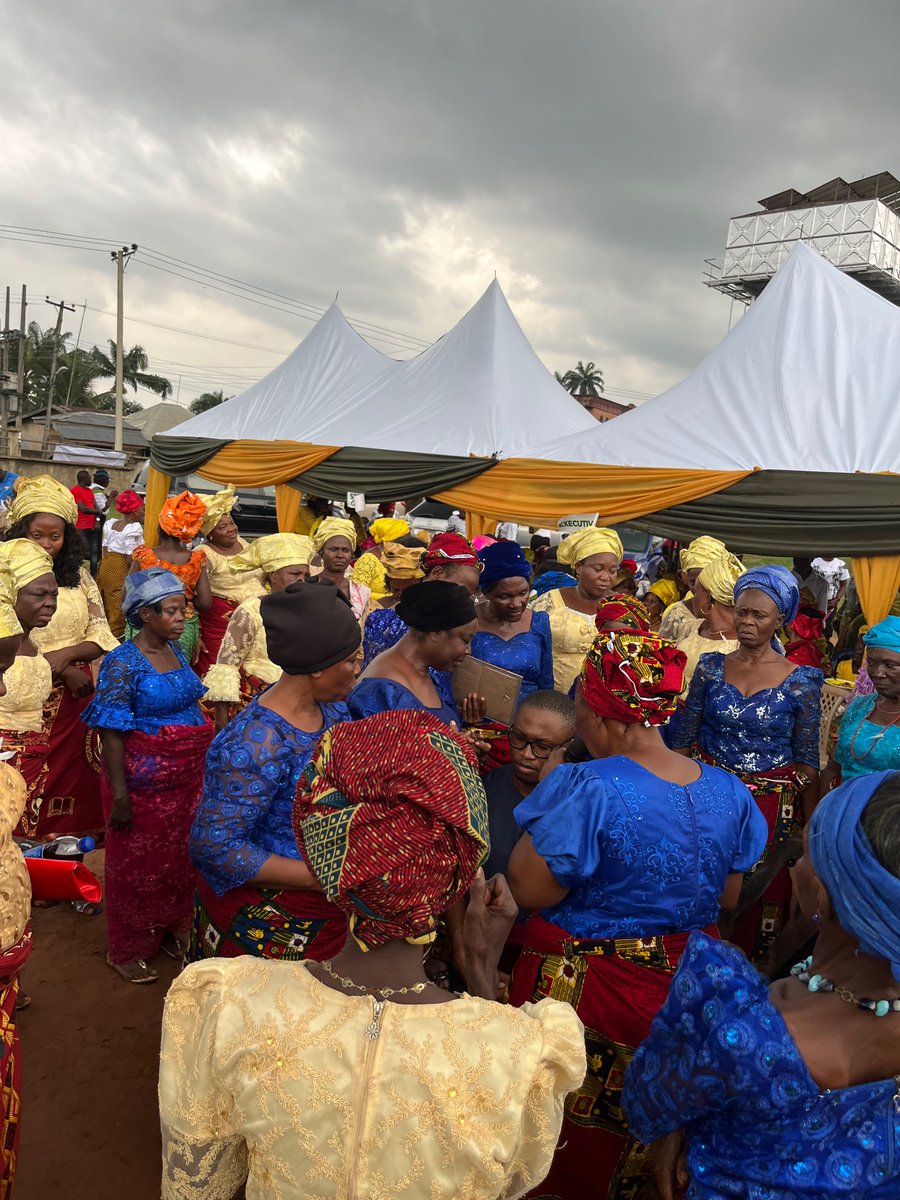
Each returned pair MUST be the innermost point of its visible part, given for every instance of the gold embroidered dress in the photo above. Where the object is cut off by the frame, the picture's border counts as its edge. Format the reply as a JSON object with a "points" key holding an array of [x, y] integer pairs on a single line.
{"points": [[243, 667], [573, 635], [322, 1096]]}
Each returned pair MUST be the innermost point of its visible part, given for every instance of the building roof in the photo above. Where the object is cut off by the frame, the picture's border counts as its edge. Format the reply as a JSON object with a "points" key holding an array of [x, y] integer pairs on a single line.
{"points": [[98, 429]]}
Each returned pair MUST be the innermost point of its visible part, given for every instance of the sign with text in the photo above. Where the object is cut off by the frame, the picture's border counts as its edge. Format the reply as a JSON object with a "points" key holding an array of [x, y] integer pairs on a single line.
{"points": [[356, 501], [576, 521]]}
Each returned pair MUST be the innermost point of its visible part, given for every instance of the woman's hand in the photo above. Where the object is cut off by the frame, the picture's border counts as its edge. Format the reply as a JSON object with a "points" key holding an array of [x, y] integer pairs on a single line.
{"points": [[473, 709], [670, 1165], [223, 714], [471, 736], [59, 660], [122, 813], [489, 918], [79, 682]]}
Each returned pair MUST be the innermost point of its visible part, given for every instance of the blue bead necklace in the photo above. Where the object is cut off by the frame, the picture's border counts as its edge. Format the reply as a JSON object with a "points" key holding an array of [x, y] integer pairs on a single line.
{"points": [[818, 983]]}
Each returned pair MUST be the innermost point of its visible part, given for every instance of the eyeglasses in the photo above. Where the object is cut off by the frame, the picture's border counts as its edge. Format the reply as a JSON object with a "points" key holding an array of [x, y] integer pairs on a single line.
{"points": [[538, 748]]}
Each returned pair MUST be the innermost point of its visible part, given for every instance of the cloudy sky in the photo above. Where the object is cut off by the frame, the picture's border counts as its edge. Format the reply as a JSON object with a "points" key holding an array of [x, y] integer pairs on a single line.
{"points": [[400, 152]]}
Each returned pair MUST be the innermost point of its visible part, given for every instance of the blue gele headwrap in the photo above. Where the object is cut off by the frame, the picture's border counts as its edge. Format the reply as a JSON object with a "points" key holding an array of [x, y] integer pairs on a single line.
{"points": [[865, 895], [778, 583], [550, 581], [885, 635], [144, 588], [503, 560]]}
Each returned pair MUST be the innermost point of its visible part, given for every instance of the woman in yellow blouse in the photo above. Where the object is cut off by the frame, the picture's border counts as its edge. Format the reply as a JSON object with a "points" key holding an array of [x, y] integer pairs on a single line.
{"points": [[368, 568], [683, 616], [357, 1075], [229, 587], [243, 668], [714, 598], [45, 512], [594, 556]]}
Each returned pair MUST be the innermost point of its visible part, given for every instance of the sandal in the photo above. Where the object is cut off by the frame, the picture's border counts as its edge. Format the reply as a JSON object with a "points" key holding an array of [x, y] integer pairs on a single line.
{"points": [[22, 1001], [133, 972], [88, 907], [173, 945]]}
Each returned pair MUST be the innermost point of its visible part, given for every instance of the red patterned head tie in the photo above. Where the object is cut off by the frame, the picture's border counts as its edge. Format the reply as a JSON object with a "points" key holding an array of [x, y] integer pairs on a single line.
{"points": [[445, 549], [621, 610], [391, 818], [633, 677]]}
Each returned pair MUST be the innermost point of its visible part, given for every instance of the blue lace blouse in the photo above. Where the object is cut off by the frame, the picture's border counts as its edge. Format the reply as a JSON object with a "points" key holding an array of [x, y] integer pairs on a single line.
{"points": [[252, 771], [720, 1063], [383, 629], [529, 654], [875, 747], [641, 856], [771, 728], [372, 696], [132, 695]]}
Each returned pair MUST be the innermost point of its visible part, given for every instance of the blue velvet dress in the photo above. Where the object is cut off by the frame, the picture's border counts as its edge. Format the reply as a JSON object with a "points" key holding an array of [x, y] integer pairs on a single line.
{"points": [[529, 654], [721, 1064]]}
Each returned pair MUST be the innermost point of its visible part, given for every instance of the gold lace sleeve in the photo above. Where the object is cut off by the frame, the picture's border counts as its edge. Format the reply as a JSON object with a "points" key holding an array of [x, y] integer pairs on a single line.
{"points": [[203, 1153], [560, 1069], [223, 679], [98, 630]]}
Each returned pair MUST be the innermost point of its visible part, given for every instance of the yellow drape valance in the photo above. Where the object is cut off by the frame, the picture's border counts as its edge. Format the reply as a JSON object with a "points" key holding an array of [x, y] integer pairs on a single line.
{"points": [[539, 492], [877, 582]]}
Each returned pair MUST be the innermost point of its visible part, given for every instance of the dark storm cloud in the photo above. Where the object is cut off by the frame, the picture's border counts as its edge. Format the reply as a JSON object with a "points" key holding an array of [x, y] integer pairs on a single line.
{"points": [[591, 152]]}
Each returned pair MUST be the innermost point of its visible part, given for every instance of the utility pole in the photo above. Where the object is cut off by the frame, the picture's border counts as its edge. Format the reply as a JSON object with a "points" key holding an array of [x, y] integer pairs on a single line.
{"points": [[61, 307], [120, 257], [4, 373], [20, 377]]}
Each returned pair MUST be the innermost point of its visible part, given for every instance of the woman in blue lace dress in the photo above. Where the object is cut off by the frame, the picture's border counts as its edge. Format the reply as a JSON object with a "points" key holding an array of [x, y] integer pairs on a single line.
{"points": [[790, 1091], [757, 714], [255, 895], [622, 857], [155, 739], [383, 628]]}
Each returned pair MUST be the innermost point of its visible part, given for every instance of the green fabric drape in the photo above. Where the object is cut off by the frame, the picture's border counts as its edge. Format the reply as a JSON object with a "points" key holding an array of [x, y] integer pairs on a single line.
{"points": [[388, 474], [182, 455]]}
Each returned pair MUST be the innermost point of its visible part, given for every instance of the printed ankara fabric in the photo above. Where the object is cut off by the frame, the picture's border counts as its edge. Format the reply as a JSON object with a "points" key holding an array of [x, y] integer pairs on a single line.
{"points": [[721, 1064], [632, 676], [11, 964], [391, 818]]}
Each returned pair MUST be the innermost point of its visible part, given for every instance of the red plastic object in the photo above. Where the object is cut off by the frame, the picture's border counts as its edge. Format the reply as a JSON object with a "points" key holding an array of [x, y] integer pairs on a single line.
{"points": [[56, 879]]}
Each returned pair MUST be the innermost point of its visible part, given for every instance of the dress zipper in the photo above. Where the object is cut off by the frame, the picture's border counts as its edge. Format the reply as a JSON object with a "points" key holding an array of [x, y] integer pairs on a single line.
{"points": [[370, 1045]]}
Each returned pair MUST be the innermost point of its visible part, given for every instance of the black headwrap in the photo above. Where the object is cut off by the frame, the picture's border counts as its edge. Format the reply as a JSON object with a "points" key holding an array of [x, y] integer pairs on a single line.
{"points": [[309, 628], [435, 605]]}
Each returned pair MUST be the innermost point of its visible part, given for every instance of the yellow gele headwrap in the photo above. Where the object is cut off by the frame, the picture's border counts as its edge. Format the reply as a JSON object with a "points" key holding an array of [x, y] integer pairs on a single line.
{"points": [[403, 562], [218, 506], [26, 560], [701, 552], [720, 576], [581, 545], [271, 553], [667, 590], [388, 529], [334, 527], [43, 493], [9, 622]]}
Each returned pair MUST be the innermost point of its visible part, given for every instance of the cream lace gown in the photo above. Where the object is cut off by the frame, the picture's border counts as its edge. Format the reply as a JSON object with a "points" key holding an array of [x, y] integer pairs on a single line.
{"points": [[268, 1075]]}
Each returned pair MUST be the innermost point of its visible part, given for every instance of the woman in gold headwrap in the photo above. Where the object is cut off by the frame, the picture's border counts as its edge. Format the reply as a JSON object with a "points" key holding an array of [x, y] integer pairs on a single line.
{"points": [[383, 628], [229, 587], [243, 668], [45, 512], [594, 556], [683, 615], [335, 542], [714, 598], [369, 568]]}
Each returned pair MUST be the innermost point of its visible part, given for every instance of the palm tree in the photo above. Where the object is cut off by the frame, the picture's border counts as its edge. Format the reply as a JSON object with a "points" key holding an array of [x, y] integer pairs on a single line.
{"points": [[134, 364], [208, 400], [584, 380]]}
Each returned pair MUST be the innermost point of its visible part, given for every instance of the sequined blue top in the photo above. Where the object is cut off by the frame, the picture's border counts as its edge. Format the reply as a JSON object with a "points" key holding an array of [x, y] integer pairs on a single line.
{"points": [[132, 695], [875, 747], [641, 855], [252, 770], [773, 727], [720, 1063], [383, 629], [372, 696], [529, 654]]}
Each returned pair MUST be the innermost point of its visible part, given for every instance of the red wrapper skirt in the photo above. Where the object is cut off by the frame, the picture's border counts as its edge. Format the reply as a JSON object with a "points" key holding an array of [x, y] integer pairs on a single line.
{"points": [[150, 878], [11, 963], [617, 986], [213, 623], [71, 799]]}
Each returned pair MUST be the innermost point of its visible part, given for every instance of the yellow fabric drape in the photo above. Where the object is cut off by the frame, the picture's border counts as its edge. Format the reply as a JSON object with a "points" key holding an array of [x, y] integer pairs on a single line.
{"points": [[476, 525], [287, 507], [538, 492], [248, 463], [877, 582], [158, 485]]}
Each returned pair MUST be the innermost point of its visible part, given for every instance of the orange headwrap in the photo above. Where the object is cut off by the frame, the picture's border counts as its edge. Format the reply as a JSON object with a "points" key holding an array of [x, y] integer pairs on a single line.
{"points": [[181, 516]]}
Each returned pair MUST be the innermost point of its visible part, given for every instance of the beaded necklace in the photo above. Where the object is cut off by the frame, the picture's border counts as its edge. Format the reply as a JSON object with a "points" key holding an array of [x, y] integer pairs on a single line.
{"points": [[875, 740], [817, 983]]}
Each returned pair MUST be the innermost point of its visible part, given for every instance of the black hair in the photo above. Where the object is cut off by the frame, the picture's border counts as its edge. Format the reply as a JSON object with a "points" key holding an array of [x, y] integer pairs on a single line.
{"points": [[881, 823], [551, 701], [410, 539], [73, 552], [134, 618], [538, 540]]}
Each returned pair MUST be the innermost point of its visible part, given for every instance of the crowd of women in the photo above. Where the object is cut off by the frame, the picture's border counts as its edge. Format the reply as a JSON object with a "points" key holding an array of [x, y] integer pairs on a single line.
{"points": [[692, 935]]}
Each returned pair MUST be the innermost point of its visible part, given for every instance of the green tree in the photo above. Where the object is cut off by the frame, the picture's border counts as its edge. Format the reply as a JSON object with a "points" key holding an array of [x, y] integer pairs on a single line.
{"points": [[207, 401], [584, 380], [134, 369]]}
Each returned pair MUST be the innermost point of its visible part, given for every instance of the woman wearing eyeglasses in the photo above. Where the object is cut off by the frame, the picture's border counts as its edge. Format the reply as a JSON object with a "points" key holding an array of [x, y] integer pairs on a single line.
{"points": [[623, 856]]}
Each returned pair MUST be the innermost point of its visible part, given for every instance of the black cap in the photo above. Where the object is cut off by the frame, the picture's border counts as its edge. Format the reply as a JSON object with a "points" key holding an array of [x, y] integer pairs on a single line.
{"points": [[309, 628]]}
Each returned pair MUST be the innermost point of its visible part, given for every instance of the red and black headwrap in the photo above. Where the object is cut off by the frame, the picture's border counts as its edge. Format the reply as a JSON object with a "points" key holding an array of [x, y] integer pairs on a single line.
{"points": [[619, 609], [633, 677], [449, 549]]}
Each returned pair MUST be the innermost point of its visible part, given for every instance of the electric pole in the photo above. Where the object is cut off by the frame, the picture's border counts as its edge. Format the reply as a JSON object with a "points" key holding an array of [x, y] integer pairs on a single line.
{"points": [[61, 307], [120, 257], [4, 378], [20, 376]]}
